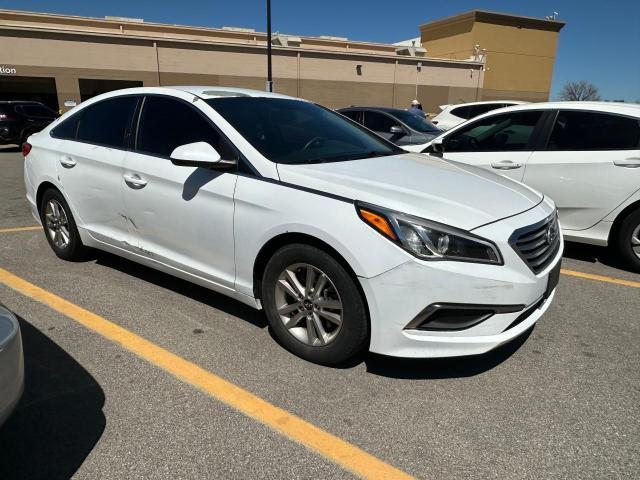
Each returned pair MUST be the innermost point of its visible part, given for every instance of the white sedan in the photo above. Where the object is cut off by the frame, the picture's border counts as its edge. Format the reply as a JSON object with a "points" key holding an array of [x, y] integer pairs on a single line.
{"points": [[452, 115], [346, 241], [584, 155]]}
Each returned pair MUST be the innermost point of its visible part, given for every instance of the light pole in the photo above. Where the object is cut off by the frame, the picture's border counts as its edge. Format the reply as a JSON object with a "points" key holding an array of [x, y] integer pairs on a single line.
{"points": [[269, 72]]}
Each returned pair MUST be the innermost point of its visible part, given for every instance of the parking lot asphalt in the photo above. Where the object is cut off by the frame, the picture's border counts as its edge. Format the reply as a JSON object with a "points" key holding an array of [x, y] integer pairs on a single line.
{"points": [[560, 402]]}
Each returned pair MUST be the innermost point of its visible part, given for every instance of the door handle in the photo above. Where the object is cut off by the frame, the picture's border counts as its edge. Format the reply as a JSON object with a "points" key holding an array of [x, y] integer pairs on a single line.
{"points": [[505, 165], [632, 162], [134, 181], [67, 162]]}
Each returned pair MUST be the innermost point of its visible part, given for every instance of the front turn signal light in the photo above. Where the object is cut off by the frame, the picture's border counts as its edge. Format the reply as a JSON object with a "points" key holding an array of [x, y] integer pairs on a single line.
{"points": [[378, 222]]}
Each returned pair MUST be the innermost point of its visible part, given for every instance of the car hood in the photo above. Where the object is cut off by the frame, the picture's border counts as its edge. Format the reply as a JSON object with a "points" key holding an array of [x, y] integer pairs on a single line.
{"points": [[448, 192]]}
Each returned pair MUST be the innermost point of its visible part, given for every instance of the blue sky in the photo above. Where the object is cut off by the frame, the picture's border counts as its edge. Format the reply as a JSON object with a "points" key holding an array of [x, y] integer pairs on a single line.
{"points": [[600, 43]]}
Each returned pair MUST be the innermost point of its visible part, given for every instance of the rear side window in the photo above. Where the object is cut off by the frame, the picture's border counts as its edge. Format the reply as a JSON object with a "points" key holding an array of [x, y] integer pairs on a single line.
{"points": [[37, 111], [378, 122], [67, 129], [167, 123], [352, 114], [576, 130], [107, 122], [461, 112], [507, 132]]}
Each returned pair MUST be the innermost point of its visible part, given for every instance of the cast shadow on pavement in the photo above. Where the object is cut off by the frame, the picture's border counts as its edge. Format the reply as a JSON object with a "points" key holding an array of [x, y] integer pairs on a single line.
{"points": [[182, 287], [594, 254], [376, 364], [439, 368], [59, 419]]}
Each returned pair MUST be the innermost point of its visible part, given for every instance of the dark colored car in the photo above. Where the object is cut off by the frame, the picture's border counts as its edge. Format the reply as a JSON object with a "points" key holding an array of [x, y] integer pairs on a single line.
{"points": [[398, 126], [19, 119]]}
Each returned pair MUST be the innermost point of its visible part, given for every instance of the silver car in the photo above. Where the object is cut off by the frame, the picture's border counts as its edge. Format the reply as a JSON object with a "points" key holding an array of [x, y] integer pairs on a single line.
{"points": [[11, 363]]}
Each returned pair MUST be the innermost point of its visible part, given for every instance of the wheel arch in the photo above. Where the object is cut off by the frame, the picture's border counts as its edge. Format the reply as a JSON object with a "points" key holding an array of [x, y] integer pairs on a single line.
{"points": [[43, 187], [288, 238], [628, 210]]}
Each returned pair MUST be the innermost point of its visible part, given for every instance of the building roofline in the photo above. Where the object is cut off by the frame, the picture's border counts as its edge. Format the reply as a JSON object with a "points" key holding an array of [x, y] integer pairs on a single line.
{"points": [[487, 16], [227, 38], [160, 30]]}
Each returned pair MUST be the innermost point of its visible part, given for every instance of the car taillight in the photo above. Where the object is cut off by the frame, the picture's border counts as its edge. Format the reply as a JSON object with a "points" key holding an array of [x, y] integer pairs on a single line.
{"points": [[26, 148], [3, 116]]}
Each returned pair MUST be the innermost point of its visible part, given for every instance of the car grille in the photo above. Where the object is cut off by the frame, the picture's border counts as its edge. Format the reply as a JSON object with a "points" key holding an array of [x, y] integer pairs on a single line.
{"points": [[537, 244]]}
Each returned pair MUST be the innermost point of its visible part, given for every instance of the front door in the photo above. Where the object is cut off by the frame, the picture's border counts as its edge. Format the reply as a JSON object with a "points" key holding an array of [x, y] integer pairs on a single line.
{"points": [[501, 143], [591, 164], [181, 216]]}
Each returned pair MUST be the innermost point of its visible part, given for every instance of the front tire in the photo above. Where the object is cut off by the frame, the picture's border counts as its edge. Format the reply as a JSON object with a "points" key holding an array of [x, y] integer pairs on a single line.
{"points": [[60, 227], [313, 305], [628, 240]]}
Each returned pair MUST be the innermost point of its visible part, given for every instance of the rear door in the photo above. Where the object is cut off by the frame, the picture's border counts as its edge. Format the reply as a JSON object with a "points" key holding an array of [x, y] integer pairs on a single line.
{"points": [[91, 149], [590, 165], [502, 142]]}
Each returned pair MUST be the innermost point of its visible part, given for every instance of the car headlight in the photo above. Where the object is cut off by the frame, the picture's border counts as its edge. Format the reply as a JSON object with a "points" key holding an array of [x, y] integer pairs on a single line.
{"points": [[429, 240]]}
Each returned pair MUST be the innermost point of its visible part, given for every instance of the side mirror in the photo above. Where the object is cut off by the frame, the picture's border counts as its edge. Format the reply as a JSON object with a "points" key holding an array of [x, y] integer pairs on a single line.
{"points": [[199, 154], [397, 130], [437, 145]]}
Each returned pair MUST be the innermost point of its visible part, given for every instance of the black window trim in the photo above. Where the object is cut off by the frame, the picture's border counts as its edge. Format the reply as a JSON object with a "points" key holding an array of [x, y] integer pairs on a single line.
{"points": [[544, 147]]}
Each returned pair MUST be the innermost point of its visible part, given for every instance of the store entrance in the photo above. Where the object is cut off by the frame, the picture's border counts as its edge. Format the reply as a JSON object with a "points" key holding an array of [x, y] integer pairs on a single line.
{"points": [[39, 89]]}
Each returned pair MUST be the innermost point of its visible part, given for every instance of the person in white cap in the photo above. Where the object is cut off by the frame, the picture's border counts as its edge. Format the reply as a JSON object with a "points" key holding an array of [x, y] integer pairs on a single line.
{"points": [[416, 109]]}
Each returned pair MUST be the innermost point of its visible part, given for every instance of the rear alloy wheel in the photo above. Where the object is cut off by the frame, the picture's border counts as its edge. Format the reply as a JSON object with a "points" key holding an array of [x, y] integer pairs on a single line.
{"points": [[628, 240], [60, 227], [313, 305]]}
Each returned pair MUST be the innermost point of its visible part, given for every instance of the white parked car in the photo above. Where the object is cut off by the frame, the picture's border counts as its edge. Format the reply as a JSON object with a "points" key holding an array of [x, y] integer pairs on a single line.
{"points": [[584, 155], [346, 241], [452, 115]]}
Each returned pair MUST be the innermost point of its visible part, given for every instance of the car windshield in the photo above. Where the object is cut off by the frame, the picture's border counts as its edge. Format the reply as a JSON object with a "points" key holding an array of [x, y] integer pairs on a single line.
{"points": [[415, 122], [296, 132]]}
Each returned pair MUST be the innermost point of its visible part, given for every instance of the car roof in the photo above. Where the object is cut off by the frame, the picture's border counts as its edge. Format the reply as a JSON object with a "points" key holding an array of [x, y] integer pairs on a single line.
{"points": [[611, 107], [22, 102], [377, 109], [204, 92], [486, 102]]}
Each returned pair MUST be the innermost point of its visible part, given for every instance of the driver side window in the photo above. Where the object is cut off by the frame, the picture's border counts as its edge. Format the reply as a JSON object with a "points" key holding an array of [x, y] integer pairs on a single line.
{"points": [[508, 132], [378, 122], [167, 123]]}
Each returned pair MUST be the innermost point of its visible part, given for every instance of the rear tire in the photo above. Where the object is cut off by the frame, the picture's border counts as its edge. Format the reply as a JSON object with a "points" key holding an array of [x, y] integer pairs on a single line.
{"points": [[60, 227], [628, 240], [326, 321]]}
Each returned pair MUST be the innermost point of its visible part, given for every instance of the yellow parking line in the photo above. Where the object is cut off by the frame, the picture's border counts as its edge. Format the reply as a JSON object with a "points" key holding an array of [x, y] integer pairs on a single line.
{"points": [[329, 446], [20, 229], [601, 278]]}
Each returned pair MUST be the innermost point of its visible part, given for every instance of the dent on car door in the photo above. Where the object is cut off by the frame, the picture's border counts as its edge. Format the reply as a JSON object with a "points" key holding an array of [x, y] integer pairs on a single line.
{"points": [[91, 150], [501, 142], [182, 216], [589, 166]]}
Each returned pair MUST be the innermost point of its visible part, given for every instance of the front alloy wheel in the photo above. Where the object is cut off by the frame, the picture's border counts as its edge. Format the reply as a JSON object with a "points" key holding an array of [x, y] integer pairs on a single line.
{"points": [[309, 304], [313, 305]]}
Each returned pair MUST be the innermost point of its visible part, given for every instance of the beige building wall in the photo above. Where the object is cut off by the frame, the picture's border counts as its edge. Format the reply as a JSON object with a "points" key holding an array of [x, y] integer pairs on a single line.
{"points": [[336, 73], [520, 51]]}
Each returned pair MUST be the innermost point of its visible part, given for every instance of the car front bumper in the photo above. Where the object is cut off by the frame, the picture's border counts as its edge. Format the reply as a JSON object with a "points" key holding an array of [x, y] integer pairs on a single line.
{"points": [[400, 295], [11, 363]]}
